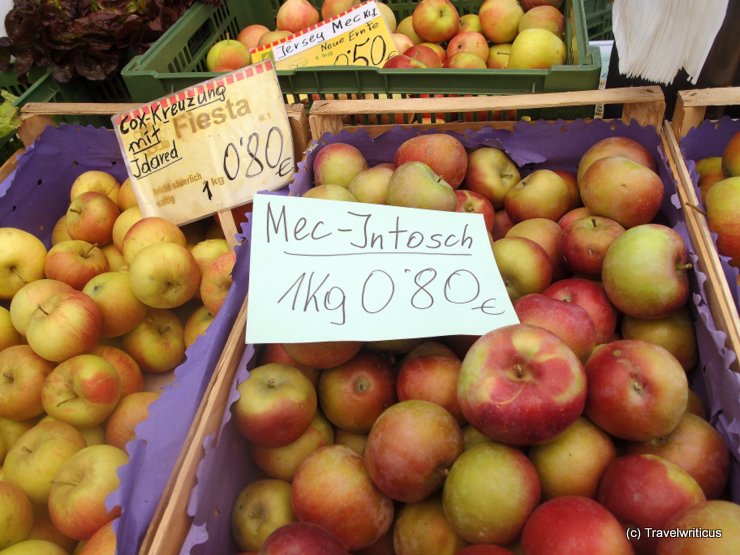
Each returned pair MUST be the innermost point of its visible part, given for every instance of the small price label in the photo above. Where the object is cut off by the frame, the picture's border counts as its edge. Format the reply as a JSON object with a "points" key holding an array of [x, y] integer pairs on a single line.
{"points": [[358, 37], [326, 271], [210, 147]]}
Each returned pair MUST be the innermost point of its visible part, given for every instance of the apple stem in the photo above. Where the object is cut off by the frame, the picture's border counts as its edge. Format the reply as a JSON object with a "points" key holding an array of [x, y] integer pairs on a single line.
{"points": [[41, 308], [92, 247], [60, 482], [8, 376], [20, 277], [686, 266]]}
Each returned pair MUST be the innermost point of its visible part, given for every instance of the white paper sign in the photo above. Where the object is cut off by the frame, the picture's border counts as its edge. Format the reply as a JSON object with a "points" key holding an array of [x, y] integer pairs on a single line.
{"points": [[327, 271]]}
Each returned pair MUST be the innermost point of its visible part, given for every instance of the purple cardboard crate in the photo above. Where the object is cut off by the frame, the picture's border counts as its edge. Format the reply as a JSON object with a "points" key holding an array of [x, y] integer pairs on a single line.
{"points": [[226, 466], [33, 198]]}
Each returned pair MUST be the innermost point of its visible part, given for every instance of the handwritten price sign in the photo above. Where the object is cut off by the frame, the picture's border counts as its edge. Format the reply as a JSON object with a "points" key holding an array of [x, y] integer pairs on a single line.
{"points": [[327, 270], [358, 37], [210, 147]]}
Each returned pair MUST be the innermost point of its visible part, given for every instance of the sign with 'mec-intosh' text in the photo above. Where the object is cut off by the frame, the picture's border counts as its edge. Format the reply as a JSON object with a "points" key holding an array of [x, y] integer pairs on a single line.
{"points": [[210, 147], [358, 37], [326, 270]]}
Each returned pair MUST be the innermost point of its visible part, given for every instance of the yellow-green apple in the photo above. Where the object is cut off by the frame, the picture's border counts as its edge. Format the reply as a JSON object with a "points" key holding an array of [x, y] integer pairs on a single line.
{"points": [[674, 332], [164, 275], [498, 56], [129, 412], [126, 195], [468, 41], [371, 185], [329, 191], [282, 462], [406, 27], [589, 295], [556, 526], [82, 391], [543, 17], [75, 262], [272, 36], [16, 514], [484, 549], [10, 431], [395, 346], [305, 538], [148, 231], [470, 22], [465, 60], [352, 395], [22, 257], [491, 173], [227, 55], [90, 217], [416, 185], [710, 516], [573, 462], [207, 250], [250, 35], [574, 214], [410, 449], [120, 308], [536, 49], [260, 508], [427, 148], [77, 497], [59, 231], [330, 8], [548, 235], [332, 488], [322, 354], [423, 54], [36, 457], [521, 385], [390, 18], [354, 441], [22, 376], [731, 156], [95, 180], [34, 547], [422, 527], [438, 49], [623, 190], [102, 542], [471, 202], [274, 352], [431, 378], [696, 405], [499, 20], [128, 370], [585, 242], [525, 267], [402, 42], [710, 172], [645, 271], [296, 15], [436, 20], [197, 324], [43, 529], [65, 325], [115, 259], [338, 164], [276, 405], [722, 201], [123, 223], [216, 281], [541, 194], [9, 336], [644, 491], [698, 448], [615, 146], [636, 390], [490, 492], [157, 344]]}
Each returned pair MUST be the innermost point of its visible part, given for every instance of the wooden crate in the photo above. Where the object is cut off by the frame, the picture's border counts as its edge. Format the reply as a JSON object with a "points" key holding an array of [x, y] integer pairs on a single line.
{"points": [[690, 110]]}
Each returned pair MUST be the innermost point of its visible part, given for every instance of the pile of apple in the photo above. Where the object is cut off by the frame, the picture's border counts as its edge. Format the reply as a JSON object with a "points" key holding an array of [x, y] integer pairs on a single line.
{"points": [[574, 431], [719, 186], [116, 298], [515, 34]]}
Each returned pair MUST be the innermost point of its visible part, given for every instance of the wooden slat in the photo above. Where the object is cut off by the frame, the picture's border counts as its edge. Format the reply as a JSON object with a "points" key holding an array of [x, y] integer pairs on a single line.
{"points": [[691, 106]]}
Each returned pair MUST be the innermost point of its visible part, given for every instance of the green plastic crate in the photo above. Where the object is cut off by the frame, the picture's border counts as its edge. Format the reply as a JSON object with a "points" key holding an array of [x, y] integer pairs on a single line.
{"points": [[177, 61], [599, 19]]}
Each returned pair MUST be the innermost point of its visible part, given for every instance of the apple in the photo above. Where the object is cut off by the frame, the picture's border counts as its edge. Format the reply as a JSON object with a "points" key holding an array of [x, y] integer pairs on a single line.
{"points": [[429, 149], [274, 352], [484, 549], [371, 185], [22, 257], [404, 61], [490, 492], [16, 514], [123, 223], [129, 412], [402, 42], [731, 157], [390, 18], [521, 385], [674, 332], [422, 527], [498, 56], [541, 194], [406, 27], [95, 180], [227, 55], [502, 223], [127, 368], [423, 54], [572, 183], [465, 60], [35, 458], [77, 497], [710, 516], [43, 529], [33, 547], [471, 202], [615, 146], [67, 324], [642, 289], [281, 463], [353, 395], [525, 267], [428, 348], [332, 488], [536, 49], [302, 538], [102, 542], [559, 525], [491, 173], [338, 164], [548, 235], [529, 4], [410, 449], [710, 172], [216, 281], [59, 231], [250, 35], [636, 390], [157, 344], [329, 191], [272, 36], [90, 217], [586, 241], [543, 17], [574, 214], [469, 22], [9, 336], [431, 378], [75, 262], [260, 508], [356, 442], [148, 231], [10, 431], [126, 196], [206, 251], [723, 200], [197, 324], [438, 49], [436, 20], [116, 263], [120, 308], [22, 376], [416, 185], [296, 15], [499, 20], [468, 41], [322, 354], [164, 275]]}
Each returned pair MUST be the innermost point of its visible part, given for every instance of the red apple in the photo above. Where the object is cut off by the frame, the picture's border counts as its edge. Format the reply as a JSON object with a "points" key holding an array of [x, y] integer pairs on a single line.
{"points": [[722, 202], [338, 164], [22, 377], [472, 42], [322, 354], [424, 54], [491, 173], [130, 411], [216, 281], [402, 42], [615, 146], [502, 223], [402, 61], [708, 519], [586, 241], [90, 217], [302, 538], [472, 202], [274, 352], [436, 20], [484, 549], [128, 370], [250, 35], [75, 262], [296, 15], [574, 214], [431, 378], [443, 153], [548, 235]]}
